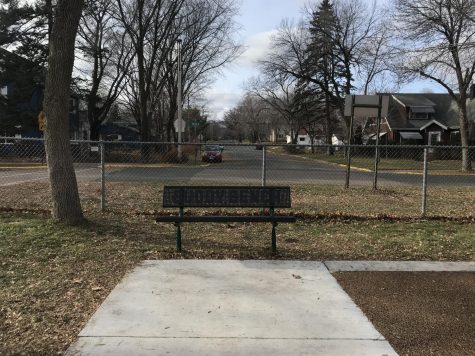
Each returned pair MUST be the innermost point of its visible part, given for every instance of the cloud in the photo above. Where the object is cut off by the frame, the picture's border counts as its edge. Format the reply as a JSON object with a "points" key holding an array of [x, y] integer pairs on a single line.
{"points": [[229, 90], [220, 100], [257, 47]]}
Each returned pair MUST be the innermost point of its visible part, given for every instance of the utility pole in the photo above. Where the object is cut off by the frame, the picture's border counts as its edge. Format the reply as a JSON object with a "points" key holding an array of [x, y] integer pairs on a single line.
{"points": [[179, 100]]}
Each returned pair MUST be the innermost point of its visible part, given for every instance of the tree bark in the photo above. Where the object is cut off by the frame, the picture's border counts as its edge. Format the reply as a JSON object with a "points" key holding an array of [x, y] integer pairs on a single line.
{"points": [[64, 190]]}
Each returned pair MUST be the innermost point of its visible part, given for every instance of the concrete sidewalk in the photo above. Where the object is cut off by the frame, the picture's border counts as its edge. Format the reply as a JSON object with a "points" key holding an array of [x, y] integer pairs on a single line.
{"points": [[193, 307], [400, 266]]}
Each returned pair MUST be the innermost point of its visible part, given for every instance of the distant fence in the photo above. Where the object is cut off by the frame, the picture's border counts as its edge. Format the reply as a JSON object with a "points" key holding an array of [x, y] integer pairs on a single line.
{"points": [[132, 164]]}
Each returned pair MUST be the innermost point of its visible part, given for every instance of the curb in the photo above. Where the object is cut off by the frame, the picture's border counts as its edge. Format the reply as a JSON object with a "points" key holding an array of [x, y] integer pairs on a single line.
{"points": [[154, 166]]}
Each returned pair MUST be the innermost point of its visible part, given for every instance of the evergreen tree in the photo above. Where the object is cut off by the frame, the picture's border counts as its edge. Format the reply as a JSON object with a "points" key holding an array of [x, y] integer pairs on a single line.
{"points": [[26, 29], [309, 107], [322, 65]]}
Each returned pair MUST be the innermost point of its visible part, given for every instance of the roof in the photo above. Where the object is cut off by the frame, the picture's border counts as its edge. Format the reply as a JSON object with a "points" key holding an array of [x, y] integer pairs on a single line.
{"points": [[414, 100], [443, 109], [423, 109], [302, 131]]}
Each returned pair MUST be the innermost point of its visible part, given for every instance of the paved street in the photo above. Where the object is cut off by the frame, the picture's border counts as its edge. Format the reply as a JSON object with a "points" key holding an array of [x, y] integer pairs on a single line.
{"points": [[241, 165], [12, 176]]}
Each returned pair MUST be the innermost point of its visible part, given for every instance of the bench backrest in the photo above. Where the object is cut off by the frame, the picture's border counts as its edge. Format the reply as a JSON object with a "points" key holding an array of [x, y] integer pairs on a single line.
{"points": [[226, 197]]}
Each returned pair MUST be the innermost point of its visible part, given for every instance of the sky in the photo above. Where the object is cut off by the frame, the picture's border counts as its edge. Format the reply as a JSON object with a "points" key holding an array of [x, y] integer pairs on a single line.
{"points": [[259, 20]]}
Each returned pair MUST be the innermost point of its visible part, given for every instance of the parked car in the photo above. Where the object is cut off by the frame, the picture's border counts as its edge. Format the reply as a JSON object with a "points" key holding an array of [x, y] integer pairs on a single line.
{"points": [[212, 153]]}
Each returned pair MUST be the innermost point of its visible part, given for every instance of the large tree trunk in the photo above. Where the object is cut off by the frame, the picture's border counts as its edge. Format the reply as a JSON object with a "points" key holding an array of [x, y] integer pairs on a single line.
{"points": [[66, 204]]}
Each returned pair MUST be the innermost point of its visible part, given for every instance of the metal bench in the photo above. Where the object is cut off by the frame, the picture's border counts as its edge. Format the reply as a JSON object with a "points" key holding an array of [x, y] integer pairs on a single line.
{"points": [[182, 197]]}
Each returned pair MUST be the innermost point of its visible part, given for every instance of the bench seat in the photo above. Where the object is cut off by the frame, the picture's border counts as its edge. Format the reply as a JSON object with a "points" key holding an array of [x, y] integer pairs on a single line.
{"points": [[257, 218]]}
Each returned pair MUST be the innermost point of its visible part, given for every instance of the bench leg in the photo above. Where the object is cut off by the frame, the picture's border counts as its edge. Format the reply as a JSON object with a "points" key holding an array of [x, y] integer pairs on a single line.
{"points": [[274, 238], [178, 237]]}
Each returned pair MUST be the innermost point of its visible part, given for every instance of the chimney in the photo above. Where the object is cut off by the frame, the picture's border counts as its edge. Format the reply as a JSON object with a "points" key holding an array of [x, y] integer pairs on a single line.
{"points": [[472, 91]]}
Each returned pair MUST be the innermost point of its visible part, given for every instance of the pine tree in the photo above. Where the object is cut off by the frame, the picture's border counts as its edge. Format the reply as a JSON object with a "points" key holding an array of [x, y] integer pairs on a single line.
{"points": [[309, 103], [323, 67], [26, 28]]}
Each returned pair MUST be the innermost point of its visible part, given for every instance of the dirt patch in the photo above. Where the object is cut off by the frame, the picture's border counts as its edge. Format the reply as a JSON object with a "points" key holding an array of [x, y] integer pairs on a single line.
{"points": [[423, 313]]}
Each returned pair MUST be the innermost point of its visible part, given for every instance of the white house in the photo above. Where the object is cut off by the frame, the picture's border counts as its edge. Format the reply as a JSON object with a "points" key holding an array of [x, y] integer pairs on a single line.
{"points": [[277, 135]]}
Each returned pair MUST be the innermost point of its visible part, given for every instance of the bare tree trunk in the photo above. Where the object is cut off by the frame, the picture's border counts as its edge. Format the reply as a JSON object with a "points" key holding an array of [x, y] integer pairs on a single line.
{"points": [[64, 190]]}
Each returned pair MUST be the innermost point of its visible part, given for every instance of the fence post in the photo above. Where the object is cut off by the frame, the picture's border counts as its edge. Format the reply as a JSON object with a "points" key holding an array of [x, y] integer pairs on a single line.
{"points": [[376, 167], [348, 166], [424, 183], [103, 175], [264, 165], [376, 155]]}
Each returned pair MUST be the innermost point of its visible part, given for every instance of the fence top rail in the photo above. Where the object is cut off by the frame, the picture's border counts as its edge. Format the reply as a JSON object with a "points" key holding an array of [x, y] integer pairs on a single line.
{"points": [[4, 140]]}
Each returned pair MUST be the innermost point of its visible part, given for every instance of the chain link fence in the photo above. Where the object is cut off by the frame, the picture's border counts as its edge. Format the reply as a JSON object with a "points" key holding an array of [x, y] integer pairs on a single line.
{"points": [[409, 181]]}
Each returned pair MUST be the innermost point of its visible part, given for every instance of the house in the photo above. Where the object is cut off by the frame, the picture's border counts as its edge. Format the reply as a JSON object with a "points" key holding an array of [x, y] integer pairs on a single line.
{"points": [[277, 135], [21, 99], [120, 129], [304, 139], [418, 119], [20, 95]]}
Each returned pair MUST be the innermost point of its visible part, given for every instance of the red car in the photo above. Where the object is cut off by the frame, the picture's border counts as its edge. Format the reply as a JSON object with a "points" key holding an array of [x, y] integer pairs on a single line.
{"points": [[212, 153]]}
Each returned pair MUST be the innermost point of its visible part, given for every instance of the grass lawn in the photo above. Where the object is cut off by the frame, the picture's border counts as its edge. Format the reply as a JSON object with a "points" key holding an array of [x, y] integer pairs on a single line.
{"points": [[53, 276], [384, 164], [146, 198]]}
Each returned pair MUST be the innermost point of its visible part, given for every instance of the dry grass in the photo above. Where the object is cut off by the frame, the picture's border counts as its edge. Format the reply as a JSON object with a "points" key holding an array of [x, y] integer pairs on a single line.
{"points": [[137, 197], [53, 276]]}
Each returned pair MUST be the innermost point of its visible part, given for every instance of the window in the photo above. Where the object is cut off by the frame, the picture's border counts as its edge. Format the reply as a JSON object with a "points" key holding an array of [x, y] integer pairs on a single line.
{"points": [[455, 138], [72, 105], [4, 91], [422, 112], [420, 116], [434, 138], [302, 139]]}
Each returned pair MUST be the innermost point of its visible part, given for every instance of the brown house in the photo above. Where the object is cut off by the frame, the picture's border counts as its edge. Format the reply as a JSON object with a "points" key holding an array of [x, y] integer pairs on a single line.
{"points": [[420, 119]]}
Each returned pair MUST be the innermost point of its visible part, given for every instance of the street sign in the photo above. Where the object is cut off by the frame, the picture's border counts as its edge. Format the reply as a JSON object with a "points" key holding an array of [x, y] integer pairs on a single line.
{"points": [[366, 105], [183, 124], [195, 123]]}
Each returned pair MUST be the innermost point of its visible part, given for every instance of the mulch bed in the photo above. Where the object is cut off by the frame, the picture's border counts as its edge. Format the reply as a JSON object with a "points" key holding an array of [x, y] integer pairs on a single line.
{"points": [[419, 313]]}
